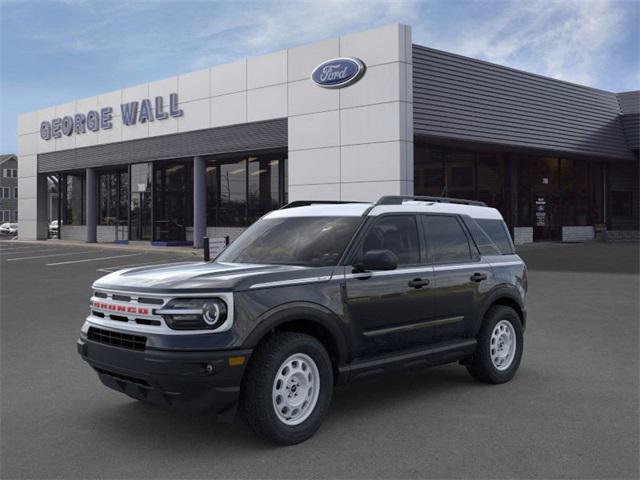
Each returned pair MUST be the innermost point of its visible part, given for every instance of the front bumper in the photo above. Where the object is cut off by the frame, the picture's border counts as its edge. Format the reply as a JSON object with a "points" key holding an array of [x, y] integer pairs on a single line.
{"points": [[195, 382]]}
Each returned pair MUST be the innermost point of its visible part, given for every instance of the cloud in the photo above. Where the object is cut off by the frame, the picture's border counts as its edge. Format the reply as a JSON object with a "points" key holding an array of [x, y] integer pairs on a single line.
{"points": [[569, 40]]}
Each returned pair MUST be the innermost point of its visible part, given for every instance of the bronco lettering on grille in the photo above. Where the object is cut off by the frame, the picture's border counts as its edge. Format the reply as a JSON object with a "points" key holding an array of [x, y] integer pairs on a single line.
{"points": [[119, 308]]}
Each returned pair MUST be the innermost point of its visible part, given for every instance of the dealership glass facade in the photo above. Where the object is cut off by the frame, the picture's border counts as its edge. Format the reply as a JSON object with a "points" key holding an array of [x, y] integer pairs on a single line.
{"points": [[154, 200], [543, 192], [241, 189]]}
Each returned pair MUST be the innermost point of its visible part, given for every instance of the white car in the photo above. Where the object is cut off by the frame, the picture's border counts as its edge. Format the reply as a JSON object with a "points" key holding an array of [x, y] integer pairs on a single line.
{"points": [[9, 228], [54, 229]]}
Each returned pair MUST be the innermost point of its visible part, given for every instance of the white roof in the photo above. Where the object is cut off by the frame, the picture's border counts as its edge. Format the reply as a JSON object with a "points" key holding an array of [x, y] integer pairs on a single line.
{"points": [[357, 209]]}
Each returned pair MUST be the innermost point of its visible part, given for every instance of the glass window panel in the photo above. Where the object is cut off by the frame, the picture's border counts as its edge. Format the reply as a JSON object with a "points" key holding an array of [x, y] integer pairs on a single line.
{"points": [[491, 174], [428, 170], [123, 198], [264, 186], [103, 199], [141, 177], [523, 175], [74, 199], [446, 239], [212, 181], [233, 194], [581, 173], [399, 234], [497, 232], [173, 200], [596, 189], [460, 174]]}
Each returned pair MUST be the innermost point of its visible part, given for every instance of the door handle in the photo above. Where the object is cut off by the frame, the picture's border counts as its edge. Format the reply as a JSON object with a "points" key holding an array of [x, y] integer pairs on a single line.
{"points": [[418, 283], [478, 277]]}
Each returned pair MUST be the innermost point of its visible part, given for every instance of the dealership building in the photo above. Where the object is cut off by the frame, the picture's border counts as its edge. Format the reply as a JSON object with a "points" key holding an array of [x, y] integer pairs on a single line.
{"points": [[350, 118]]}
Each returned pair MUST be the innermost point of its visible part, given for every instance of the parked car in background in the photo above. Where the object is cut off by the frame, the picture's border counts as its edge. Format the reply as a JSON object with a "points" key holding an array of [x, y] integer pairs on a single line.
{"points": [[9, 229], [54, 229]]}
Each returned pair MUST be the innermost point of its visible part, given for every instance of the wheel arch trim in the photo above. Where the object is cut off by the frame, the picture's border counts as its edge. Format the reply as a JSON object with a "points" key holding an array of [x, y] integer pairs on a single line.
{"points": [[309, 312], [507, 297]]}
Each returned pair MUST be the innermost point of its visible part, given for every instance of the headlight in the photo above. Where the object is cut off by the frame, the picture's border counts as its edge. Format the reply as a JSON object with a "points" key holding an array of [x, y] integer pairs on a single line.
{"points": [[194, 313]]}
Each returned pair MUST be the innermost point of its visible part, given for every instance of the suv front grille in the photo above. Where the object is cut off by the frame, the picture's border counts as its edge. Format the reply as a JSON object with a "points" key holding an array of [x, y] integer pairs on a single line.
{"points": [[117, 339]]}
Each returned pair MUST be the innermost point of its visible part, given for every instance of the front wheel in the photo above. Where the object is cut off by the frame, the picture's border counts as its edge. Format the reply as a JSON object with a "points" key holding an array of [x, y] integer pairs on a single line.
{"points": [[499, 349], [287, 388]]}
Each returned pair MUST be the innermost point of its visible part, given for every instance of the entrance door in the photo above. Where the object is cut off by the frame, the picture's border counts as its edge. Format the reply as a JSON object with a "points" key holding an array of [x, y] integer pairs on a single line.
{"points": [[546, 201], [140, 220], [172, 201]]}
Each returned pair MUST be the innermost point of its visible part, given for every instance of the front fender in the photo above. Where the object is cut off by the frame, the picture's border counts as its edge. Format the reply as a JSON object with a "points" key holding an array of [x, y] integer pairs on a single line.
{"points": [[307, 311]]}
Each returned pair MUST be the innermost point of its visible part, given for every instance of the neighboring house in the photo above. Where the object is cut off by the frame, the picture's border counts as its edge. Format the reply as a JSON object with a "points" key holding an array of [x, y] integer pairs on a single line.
{"points": [[8, 188]]}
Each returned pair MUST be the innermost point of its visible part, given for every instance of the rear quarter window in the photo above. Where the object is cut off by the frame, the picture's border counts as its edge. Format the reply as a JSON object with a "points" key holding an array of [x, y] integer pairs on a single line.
{"points": [[497, 231]]}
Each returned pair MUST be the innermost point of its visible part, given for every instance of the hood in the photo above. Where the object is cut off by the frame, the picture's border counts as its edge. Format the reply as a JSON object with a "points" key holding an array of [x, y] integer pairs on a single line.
{"points": [[196, 276]]}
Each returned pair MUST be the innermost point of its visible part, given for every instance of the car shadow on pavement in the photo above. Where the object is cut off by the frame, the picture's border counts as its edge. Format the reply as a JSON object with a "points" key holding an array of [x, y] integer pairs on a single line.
{"points": [[136, 423], [594, 257]]}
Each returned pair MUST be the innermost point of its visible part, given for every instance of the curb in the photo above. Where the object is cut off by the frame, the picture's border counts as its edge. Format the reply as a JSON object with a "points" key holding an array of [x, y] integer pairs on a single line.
{"points": [[186, 251]]}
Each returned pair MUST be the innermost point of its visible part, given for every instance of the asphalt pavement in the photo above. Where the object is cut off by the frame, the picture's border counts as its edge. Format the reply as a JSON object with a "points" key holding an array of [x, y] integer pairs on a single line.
{"points": [[571, 411]]}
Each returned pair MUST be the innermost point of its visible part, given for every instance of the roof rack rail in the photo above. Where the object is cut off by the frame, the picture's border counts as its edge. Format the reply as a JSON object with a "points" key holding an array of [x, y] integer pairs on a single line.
{"points": [[306, 203], [399, 199]]}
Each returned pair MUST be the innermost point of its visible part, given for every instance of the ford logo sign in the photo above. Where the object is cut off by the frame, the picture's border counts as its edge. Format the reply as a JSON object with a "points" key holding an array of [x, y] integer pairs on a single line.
{"points": [[338, 73]]}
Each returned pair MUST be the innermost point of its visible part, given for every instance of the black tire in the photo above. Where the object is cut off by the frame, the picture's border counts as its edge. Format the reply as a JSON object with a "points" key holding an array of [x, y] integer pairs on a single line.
{"points": [[481, 367], [256, 402]]}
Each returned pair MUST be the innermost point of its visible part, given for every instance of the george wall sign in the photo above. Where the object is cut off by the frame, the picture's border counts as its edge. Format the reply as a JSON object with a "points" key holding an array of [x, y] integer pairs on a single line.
{"points": [[94, 120], [339, 72]]}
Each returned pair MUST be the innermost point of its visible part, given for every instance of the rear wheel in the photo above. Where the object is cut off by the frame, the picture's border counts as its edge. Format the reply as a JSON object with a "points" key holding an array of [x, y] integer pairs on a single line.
{"points": [[287, 387], [499, 349]]}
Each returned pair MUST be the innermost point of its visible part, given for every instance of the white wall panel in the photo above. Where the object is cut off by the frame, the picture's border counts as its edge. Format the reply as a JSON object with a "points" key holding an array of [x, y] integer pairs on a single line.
{"points": [[372, 162], [380, 84], [316, 130], [91, 103], [27, 166], [131, 132], [111, 99], [306, 97], [267, 70], [372, 191], [28, 144], [194, 85], [197, 115], [28, 123], [229, 78], [113, 134], [162, 88], [303, 59], [131, 94], [164, 127], [372, 123], [327, 191], [229, 109], [266, 103], [374, 47], [320, 165]]}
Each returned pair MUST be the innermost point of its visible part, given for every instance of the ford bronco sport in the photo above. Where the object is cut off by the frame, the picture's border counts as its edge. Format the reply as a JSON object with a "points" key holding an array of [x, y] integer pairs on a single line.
{"points": [[310, 296]]}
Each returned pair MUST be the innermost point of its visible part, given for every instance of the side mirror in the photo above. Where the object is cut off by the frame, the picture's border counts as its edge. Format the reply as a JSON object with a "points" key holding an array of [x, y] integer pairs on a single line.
{"points": [[377, 260]]}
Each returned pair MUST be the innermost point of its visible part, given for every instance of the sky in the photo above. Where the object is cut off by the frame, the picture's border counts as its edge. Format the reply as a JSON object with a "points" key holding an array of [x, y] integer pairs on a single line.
{"points": [[55, 51]]}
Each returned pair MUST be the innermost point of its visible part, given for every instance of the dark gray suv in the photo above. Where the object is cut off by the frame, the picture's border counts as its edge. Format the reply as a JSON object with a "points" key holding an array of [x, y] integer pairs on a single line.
{"points": [[314, 295]]}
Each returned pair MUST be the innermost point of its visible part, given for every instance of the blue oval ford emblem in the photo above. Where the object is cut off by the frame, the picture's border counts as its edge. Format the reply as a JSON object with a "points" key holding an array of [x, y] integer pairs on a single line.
{"points": [[338, 72]]}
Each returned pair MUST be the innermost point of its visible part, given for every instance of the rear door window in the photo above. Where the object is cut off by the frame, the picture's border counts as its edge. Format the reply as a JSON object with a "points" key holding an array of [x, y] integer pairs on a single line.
{"points": [[446, 240]]}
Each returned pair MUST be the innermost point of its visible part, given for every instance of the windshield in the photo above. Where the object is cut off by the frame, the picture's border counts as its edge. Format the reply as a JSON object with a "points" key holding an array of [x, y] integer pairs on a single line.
{"points": [[304, 241]]}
